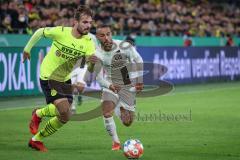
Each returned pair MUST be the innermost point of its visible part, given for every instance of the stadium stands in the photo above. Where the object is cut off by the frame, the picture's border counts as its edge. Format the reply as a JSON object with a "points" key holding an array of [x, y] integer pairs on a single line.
{"points": [[143, 17]]}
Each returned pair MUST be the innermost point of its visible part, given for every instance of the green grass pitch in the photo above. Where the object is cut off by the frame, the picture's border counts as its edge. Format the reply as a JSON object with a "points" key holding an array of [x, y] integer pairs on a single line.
{"points": [[201, 122]]}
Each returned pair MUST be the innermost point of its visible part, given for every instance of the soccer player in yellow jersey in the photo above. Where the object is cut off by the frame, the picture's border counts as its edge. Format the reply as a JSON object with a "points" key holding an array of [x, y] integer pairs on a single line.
{"points": [[69, 45]]}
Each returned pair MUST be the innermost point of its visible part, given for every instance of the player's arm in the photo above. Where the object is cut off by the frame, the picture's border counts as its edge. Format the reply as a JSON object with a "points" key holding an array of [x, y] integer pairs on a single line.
{"points": [[106, 84], [137, 59], [33, 40], [78, 87], [91, 59], [48, 32]]}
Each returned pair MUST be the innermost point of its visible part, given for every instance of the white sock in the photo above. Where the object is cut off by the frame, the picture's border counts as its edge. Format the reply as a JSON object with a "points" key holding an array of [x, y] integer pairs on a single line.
{"points": [[75, 102], [110, 126]]}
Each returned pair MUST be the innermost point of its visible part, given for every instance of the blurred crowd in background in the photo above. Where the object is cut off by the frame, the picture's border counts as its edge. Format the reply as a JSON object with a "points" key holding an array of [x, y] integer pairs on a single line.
{"points": [[140, 17]]}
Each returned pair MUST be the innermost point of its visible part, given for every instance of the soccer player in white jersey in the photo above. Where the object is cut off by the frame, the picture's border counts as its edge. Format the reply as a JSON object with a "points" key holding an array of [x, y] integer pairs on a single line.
{"points": [[118, 90]]}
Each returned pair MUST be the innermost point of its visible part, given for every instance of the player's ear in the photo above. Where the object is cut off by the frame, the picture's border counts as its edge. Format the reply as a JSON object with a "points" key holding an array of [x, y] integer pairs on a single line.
{"points": [[75, 22]]}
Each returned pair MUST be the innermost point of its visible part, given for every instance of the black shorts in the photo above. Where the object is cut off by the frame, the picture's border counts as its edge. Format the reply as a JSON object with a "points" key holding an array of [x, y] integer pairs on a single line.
{"points": [[51, 94]]}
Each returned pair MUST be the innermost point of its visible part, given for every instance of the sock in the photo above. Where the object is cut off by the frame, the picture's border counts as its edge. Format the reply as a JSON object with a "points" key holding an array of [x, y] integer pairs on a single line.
{"points": [[110, 126], [75, 102], [49, 110], [51, 127]]}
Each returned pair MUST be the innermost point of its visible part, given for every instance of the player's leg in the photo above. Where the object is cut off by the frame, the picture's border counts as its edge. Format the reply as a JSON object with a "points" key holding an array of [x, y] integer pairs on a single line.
{"points": [[48, 110], [77, 76], [62, 105], [126, 107], [125, 113], [127, 116], [108, 106], [80, 78], [74, 104], [75, 96], [55, 123], [77, 101]]}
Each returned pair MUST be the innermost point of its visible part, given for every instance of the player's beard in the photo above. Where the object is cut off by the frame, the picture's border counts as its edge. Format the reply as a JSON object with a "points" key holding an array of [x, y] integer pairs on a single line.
{"points": [[107, 46], [82, 31]]}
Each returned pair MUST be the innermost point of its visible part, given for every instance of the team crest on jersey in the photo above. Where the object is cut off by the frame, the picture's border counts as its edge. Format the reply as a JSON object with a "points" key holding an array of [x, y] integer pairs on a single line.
{"points": [[117, 57], [53, 92]]}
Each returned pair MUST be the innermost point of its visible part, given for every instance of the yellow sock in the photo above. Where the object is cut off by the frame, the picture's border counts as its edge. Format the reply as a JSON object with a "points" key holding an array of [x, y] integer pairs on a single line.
{"points": [[51, 127], [49, 110]]}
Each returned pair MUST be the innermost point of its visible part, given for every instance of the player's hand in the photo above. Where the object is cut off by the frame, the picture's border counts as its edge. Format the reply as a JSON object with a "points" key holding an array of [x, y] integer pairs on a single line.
{"points": [[93, 59], [91, 62], [25, 56], [79, 87], [115, 88], [139, 87]]}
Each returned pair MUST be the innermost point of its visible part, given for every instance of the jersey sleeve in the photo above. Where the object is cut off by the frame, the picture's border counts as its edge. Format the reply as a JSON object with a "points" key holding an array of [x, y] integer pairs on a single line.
{"points": [[134, 55], [52, 32], [33, 40], [138, 61]]}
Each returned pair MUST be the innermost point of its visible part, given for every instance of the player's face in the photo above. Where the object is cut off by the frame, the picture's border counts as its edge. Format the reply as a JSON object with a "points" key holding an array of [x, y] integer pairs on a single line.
{"points": [[84, 24], [104, 35]]}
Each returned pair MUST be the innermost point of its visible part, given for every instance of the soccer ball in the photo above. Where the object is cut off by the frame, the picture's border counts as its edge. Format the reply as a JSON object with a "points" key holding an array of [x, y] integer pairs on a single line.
{"points": [[133, 148]]}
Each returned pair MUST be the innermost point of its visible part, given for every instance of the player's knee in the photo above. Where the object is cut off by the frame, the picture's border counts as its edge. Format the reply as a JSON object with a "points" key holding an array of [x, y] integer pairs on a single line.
{"points": [[127, 123], [107, 109], [127, 117], [64, 113], [107, 114]]}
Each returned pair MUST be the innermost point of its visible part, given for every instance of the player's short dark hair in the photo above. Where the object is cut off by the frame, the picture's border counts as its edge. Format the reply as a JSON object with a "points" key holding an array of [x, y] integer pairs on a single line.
{"points": [[103, 26], [82, 10]]}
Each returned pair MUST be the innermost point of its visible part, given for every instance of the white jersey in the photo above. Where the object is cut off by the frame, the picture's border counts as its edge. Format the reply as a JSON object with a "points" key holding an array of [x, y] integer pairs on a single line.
{"points": [[113, 62], [115, 69]]}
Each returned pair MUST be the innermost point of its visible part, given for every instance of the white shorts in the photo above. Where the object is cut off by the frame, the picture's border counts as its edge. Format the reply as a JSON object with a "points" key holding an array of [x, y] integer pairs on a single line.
{"points": [[77, 75], [124, 98]]}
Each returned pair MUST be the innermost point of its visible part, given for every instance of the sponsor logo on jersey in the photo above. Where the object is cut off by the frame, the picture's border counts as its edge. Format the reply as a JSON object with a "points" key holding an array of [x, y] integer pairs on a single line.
{"points": [[68, 52], [67, 56], [58, 53], [62, 55], [71, 51]]}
